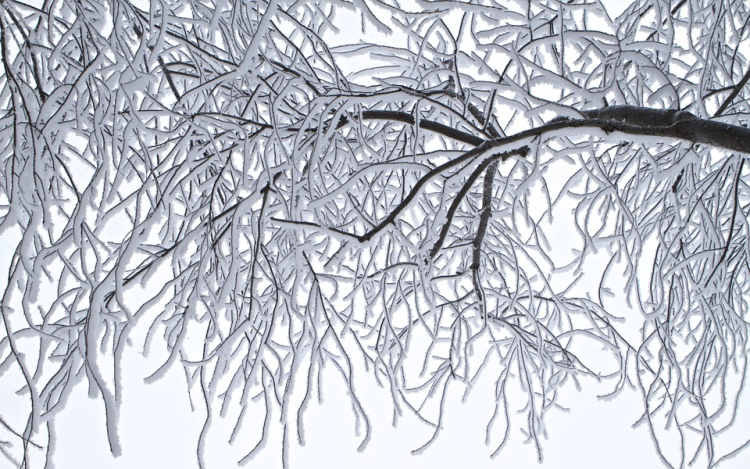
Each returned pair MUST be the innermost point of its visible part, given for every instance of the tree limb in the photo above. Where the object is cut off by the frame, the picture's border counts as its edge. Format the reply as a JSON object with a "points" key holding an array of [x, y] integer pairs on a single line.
{"points": [[635, 120], [432, 126]]}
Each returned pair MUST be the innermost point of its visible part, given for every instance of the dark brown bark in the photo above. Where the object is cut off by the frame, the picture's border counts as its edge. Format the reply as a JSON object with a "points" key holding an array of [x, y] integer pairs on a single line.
{"points": [[634, 120], [631, 120]]}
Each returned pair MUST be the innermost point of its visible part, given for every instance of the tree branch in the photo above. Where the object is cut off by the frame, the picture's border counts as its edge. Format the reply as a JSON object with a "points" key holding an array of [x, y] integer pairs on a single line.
{"points": [[632, 120], [456, 202], [635, 120], [521, 151], [484, 219], [734, 93], [432, 126]]}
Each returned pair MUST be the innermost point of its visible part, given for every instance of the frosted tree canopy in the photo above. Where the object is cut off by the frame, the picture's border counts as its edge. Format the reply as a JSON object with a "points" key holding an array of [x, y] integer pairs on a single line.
{"points": [[428, 193]]}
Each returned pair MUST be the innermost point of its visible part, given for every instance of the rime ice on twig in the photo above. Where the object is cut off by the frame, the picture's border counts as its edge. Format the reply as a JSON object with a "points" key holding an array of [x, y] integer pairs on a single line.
{"points": [[280, 215]]}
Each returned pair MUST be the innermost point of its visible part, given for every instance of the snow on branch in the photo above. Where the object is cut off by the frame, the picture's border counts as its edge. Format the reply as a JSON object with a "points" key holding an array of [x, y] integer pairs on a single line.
{"points": [[454, 195]]}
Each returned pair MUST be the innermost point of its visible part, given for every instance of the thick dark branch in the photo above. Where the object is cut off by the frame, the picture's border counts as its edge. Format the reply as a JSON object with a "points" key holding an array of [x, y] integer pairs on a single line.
{"points": [[432, 126], [484, 217], [456, 202], [634, 120], [521, 151], [678, 6], [486, 122], [642, 116], [631, 120]]}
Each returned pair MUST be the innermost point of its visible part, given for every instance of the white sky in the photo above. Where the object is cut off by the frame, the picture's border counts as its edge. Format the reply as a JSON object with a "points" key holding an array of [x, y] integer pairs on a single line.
{"points": [[616, 7]]}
